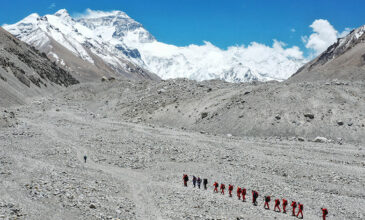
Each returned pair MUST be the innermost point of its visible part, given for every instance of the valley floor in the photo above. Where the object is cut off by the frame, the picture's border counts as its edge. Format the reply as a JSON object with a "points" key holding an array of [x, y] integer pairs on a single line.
{"points": [[134, 171]]}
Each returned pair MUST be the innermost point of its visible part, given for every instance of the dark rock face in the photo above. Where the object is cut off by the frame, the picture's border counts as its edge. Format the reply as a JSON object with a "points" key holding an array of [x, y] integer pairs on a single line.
{"points": [[29, 65], [128, 52]]}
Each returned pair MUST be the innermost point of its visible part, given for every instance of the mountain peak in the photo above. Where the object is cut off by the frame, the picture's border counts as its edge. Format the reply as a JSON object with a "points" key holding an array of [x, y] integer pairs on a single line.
{"points": [[90, 14], [62, 13]]}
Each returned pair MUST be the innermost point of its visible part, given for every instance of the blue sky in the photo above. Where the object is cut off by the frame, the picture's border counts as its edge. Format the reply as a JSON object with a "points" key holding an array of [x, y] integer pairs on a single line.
{"points": [[222, 22]]}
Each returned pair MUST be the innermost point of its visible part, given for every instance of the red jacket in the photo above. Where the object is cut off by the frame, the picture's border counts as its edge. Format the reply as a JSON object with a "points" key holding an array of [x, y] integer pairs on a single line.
{"points": [[244, 191]]}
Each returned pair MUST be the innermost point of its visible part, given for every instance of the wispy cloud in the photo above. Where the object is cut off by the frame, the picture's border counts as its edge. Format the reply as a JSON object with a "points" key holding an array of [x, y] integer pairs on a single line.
{"points": [[51, 6], [293, 30]]}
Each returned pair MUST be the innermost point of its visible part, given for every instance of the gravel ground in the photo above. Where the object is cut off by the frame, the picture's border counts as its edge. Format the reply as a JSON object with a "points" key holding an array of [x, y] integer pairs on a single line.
{"points": [[134, 167]]}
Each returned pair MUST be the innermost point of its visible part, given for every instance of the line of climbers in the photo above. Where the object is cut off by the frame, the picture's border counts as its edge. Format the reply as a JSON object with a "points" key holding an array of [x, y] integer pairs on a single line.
{"points": [[242, 192]]}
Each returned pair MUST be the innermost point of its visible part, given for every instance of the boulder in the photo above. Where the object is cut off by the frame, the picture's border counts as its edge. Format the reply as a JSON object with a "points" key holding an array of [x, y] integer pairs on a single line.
{"points": [[103, 79], [204, 115], [309, 115], [320, 140]]}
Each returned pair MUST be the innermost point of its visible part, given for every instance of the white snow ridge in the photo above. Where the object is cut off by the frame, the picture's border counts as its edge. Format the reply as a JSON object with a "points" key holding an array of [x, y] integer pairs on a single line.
{"points": [[114, 35]]}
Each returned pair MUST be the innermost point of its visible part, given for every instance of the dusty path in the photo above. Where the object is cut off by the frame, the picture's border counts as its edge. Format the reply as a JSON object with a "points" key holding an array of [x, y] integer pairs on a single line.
{"points": [[138, 182]]}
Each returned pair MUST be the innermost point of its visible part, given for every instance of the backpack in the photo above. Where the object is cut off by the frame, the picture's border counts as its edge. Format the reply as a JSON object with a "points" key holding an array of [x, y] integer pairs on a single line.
{"points": [[267, 199], [325, 211]]}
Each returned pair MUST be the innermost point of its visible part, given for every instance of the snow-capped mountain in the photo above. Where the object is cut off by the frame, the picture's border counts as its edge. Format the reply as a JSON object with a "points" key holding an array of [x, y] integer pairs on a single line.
{"points": [[115, 38], [64, 39], [343, 60]]}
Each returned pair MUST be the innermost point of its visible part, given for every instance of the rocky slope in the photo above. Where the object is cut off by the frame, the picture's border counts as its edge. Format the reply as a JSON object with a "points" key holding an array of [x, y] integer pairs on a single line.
{"points": [[344, 60], [113, 42], [78, 48], [24, 72], [332, 109]]}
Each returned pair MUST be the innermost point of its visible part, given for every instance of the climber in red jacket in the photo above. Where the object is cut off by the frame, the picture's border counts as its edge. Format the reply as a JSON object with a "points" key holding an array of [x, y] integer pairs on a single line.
{"points": [[186, 179], [239, 191], [324, 213], [285, 203], [215, 187], [294, 206], [300, 206], [222, 188], [244, 194], [230, 189], [277, 205]]}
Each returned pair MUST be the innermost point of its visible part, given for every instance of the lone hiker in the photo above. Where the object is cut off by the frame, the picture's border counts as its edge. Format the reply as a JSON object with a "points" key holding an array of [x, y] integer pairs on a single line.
{"points": [[199, 181], [194, 181], [300, 206], [324, 213], [244, 194], [230, 189], [267, 200], [239, 191], [205, 182], [294, 206], [185, 179], [85, 157], [277, 205], [215, 187], [222, 188], [254, 197], [285, 203]]}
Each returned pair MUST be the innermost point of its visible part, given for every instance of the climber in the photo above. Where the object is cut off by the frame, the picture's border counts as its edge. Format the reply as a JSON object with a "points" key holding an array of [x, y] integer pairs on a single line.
{"points": [[267, 200], [194, 181], [222, 188], [85, 157], [230, 188], [199, 181], [186, 179], [215, 187], [324, 213], [239, 191], [294, 206], [244, 194], [277, 205], [300, 206], [285, 203], [254, 197], [205, 182]]}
